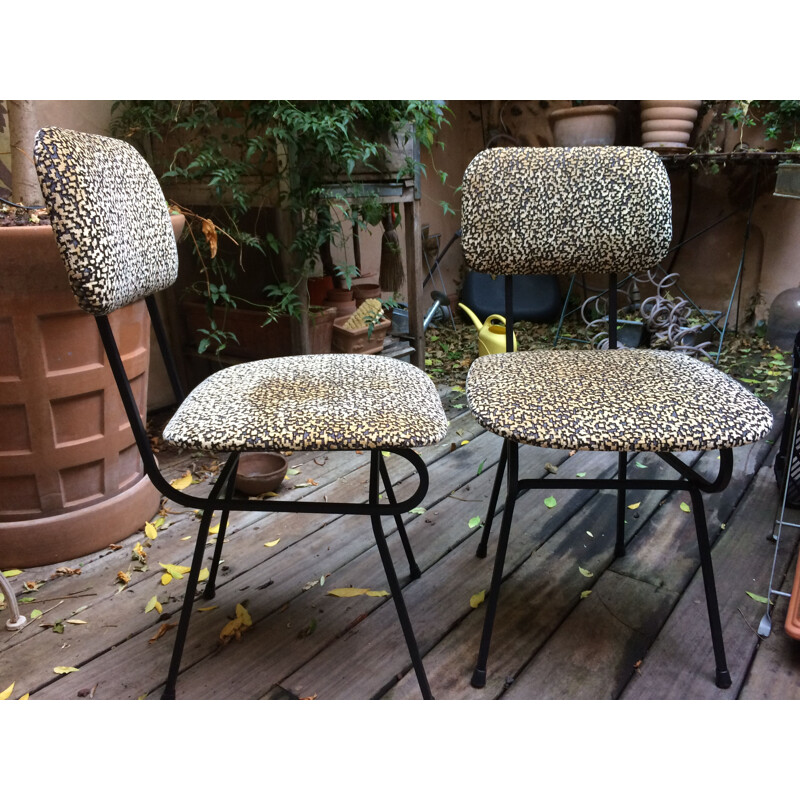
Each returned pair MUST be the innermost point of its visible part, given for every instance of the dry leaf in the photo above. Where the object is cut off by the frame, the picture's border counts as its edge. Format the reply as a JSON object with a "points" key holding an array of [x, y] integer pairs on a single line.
{"points": [[151, 604], [207, 608], [243, 614], [162, 630], [203, 576], [77, 622], [214, 530], [377, 593], [477, 599], [182, 482], [150, 531], [7, 693], [64, 670], [585, 572], [348, 591], [124, 577], [634, 506], [165, 579], [210, 232], [272, 543]]}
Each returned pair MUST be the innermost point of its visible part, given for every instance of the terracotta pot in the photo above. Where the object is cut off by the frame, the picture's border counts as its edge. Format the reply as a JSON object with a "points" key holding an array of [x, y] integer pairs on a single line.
{"points": [[342, 300], [359, 340], [583, 126], [365, 291], [668, 124], [318, 288], [71, 480]]}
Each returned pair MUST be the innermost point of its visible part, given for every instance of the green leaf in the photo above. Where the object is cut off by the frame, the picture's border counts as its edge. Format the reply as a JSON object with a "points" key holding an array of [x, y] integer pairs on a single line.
{"points": [[417, 510], [640, 465], [685, 507], [35, 613], [585, 593], [580, 474], [757, 597], [480, 466], [474, 522], [550, 502], [585, 572]]}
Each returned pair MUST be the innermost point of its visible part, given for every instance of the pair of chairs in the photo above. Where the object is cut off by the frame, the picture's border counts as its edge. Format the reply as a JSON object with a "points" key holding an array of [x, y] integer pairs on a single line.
{"points": [[525, 210]]}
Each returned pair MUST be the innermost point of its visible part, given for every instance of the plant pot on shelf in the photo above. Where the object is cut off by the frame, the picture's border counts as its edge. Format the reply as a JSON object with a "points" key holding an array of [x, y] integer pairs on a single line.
{"points": [[71, 480], [318, 288], [359, 340], [342, 300], [668, 124], [584, 126], [365, 291]]}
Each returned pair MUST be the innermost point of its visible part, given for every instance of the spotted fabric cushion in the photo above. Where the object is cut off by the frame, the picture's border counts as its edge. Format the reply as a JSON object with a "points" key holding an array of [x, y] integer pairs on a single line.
{"points": [[109, 216], [561, 210], [630, 400], [316, 402]]}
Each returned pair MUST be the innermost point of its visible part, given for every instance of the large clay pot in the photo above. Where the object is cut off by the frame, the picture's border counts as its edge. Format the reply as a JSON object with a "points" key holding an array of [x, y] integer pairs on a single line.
{"points": [[668, 124], [582, 126], [71, 480]]}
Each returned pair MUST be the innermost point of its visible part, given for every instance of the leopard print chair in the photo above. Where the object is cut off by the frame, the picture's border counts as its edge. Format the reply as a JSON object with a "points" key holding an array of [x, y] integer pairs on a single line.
{"points": [[591, 210], [113, 230]]}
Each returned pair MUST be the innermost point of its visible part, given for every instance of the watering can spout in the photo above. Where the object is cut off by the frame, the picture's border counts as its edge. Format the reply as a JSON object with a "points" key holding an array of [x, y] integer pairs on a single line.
{"points": [[475, 321]]}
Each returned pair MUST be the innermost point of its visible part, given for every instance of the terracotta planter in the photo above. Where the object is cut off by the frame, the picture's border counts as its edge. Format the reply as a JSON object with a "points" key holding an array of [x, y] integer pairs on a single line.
{"points": [[365, 291], [668, 124], [584, 126], [71, 481], [318, 288], [359, 340], [342, 300]]}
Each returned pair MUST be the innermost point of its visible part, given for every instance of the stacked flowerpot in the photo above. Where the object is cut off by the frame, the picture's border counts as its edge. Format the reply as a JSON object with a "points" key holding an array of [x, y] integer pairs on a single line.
{"points": [[668, 124]]}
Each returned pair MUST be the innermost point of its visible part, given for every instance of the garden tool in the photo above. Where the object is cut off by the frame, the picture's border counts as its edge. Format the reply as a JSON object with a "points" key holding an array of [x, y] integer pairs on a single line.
{"points": [[491, 336]]}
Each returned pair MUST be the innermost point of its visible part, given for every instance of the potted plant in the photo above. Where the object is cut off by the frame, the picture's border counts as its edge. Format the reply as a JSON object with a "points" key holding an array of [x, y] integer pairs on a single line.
{"points": [[276, 187], [71, 481], [668, 124]]}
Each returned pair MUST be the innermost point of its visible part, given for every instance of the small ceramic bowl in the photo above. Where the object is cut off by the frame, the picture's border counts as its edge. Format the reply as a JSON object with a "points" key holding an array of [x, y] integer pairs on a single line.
{"points": [[260, 472]]}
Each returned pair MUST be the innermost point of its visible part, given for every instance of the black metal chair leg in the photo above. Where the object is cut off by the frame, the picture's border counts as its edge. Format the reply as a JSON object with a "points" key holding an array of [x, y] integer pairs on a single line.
{"points": [[414, 570], [394, 584], [723, 677], [186, 610], [211, 583], [622, 471], [487, 525], [479, 675]]}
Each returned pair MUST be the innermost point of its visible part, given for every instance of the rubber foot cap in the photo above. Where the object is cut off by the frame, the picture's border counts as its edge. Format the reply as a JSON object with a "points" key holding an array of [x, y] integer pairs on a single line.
{"points": [[723, 679], [479, 678]]}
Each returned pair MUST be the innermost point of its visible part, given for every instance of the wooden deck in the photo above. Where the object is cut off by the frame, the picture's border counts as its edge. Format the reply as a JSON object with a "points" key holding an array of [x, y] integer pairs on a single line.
{"points": [[641, 633]]}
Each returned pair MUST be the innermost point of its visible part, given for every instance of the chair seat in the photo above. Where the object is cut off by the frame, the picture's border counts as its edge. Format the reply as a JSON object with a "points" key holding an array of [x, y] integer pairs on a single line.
{"points": [[626, 400], [314, 402]]}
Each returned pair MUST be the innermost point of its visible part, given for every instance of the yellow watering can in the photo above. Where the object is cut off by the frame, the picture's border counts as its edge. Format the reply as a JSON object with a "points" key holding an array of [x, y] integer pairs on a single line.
{"points": [[491, 336]]}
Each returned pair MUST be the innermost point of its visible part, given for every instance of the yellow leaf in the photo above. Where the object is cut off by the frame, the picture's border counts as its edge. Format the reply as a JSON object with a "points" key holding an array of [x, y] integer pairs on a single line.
{"points": [[231, 629], [7, 693], [25, 696], [214, 530], [585, 572], [466, 441], [272, 543], [182, 482], [204, 573], [243, 615], [378, 593], [585, 594], [10, 573], [207, 608], [634, 506], [64, 670], [158, 607], [165, 579], [185, 538], [175, 570], [151, 604], [477, 599], [77, 621], [348, 592], [150, 531]]}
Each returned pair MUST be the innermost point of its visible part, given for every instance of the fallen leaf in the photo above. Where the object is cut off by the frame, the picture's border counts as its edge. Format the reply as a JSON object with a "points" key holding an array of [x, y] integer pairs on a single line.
{"points": [[36, 613], [348, 591], [585, 572], [150, 531], [7, 693], [243, 614], [77, 622], [474, 522], [162, 630], [580, 474], [757, 597], [589, 533], [550, 502], [477, 599], [310, 585], [26, 696], [151, 604], [64, 670], [553, 470], [182, 482], [480, 466], [640, 465], [139, 552], [207, 608], [585, 593], [175, 570], [272, 543], [214, 530], [124, 577], [377, 593], [685, 507], [634, 506], [115, 547], [10, 573], [417, 510], [466, 441], [165, 579]]}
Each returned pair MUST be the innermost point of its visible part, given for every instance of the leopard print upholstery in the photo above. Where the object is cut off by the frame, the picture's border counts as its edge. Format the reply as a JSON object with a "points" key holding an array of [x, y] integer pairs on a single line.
{"points": [[316, 402], [562, 210], [629, 400], [110, 218]]}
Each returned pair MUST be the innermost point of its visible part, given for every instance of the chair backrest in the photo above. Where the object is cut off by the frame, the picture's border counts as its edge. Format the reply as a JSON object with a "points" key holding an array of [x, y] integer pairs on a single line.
{"points": [[563, 210], [110, 218]]}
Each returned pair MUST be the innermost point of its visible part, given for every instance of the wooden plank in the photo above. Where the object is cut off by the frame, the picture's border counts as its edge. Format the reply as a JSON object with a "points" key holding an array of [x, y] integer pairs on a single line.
{"points": [[775, 671], [594, 652], [680, 663]]}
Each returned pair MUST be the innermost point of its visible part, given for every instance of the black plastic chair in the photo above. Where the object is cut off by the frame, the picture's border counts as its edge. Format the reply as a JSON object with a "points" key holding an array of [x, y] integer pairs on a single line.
{"points": [[591, 209], [114, 233]]}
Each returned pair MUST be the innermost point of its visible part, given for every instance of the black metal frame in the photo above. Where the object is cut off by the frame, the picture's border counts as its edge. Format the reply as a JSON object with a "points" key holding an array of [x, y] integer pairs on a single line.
{"points": [[690, 481], [221, 499]]}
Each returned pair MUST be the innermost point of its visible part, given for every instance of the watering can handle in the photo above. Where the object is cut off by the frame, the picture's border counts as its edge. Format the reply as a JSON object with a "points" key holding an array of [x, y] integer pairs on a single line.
{"points": [[490, 320]]}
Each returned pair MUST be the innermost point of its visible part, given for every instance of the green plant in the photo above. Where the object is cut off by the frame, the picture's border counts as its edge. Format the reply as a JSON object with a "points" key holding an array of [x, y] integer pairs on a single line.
{"points": [[780, 118], [284, 180]]}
